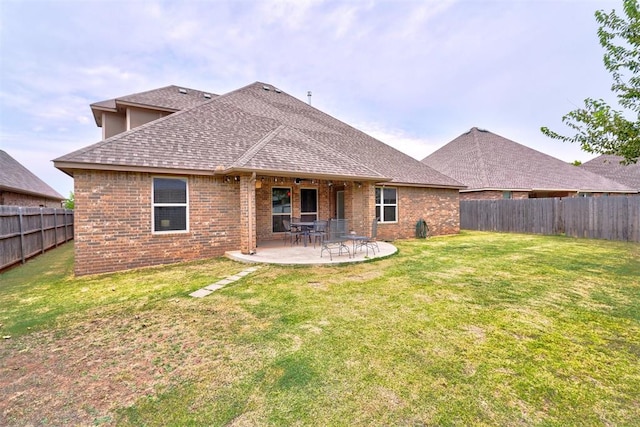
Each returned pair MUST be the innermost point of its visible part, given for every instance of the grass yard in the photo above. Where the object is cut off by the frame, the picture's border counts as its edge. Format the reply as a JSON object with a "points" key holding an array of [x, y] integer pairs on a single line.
{"points": [[473, 329]]}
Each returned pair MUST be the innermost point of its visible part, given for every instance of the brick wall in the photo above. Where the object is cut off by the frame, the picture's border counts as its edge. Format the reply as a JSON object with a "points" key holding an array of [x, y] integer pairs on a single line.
{"points": [[440, 208], [113, 222], [25, 200], [492, 195], [113, 216], [326, 201]]}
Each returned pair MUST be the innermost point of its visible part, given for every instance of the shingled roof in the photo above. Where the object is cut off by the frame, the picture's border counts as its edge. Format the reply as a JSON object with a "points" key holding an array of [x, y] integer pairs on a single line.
{"points": [[257, 128], [485, 161], [168, 98], [16, 178], [611, 167]]}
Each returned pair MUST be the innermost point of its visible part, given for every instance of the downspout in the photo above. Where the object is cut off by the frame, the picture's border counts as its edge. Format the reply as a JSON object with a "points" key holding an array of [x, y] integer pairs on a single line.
{"points": [[252, 185]]}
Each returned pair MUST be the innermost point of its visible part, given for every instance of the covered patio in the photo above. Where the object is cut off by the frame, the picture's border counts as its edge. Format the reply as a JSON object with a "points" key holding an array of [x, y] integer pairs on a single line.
{"points": [[276, 252]]}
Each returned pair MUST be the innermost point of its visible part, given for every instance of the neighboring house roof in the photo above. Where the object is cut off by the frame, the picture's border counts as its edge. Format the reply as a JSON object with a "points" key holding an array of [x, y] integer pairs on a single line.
{"points": [[168, 98], [610, 167], [257, 128], [16, 178], [485, 161]]}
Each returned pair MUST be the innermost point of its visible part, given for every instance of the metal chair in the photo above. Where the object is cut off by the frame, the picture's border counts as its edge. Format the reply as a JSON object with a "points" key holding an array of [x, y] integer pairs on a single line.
{"points": [[319, 231], [289, 233], [369, 241], [334, 242]]}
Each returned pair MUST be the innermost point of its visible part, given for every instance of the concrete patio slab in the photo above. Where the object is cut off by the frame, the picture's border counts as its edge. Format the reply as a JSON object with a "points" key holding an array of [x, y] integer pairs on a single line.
{"points": [[276, 252]]}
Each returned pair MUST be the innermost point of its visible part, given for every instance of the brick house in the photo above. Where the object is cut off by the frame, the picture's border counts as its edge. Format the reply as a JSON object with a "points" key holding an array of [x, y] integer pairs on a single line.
{"points": [[494, 167], [611, 167], [20, 187], [184, 174]]}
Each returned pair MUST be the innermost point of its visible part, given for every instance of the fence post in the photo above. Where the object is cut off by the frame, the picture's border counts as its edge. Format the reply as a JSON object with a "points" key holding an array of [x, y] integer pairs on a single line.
{"points": [[65, 225], [55, 226], [21, 225], [41, 230]]}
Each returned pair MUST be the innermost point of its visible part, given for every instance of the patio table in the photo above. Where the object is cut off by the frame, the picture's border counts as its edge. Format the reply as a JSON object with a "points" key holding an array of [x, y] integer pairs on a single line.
{"points": [[305, 227], [354, 239]]}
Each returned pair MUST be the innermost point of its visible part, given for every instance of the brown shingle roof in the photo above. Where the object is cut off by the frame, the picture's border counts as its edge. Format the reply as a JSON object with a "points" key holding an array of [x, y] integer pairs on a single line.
{"points": [[483, 160], [16, 178], [168, 98], [261, 130], [610, 167]]}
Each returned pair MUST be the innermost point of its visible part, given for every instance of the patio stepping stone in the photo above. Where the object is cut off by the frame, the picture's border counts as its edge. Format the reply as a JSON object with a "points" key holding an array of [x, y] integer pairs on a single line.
{"points": [[200, 293]]}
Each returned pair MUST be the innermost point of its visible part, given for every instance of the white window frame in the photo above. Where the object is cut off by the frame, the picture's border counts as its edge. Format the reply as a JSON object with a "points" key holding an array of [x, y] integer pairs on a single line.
{"points": [[382, 205], [290, 214], [317, 200], [160, 205]]}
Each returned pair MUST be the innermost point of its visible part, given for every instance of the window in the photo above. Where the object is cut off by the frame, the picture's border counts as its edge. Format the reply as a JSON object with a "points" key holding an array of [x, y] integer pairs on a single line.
{"points": [[308, 204], [507, 195], [386, 204], [169, 205], [280, 207]]}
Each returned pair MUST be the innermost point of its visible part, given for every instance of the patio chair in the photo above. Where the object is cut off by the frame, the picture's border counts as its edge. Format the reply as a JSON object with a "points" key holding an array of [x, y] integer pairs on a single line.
{"points": [[289, 232], [319, 231], [369, 241], [334, 242]]}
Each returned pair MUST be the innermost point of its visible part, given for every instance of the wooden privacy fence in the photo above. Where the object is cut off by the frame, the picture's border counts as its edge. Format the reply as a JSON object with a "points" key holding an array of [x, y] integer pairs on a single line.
{"points": [[27, 232], [611, 218]]}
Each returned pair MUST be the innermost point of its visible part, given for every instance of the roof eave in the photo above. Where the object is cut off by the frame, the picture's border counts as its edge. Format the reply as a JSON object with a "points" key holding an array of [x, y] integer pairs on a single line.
{"points": [[97, 111], [469, 190], [423, 185], [69, 168], [294, 174], [30, 193], [146, 106], [568, 190], [630, 190]]}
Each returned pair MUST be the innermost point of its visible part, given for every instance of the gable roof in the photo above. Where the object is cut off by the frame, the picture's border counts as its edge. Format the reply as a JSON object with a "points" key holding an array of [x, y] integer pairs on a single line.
{"points": [[485, 161], [257, 128], [610, 167], [169, 98], [16, 178]]}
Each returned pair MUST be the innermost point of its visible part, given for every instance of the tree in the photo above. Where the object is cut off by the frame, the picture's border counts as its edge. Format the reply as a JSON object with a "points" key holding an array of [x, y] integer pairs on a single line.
{"points": [[70, 203], [600, 128]]}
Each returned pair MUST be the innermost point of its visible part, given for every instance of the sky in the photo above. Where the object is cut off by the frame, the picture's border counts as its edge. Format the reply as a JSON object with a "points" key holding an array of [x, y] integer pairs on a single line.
{"points": [[414, 74]]}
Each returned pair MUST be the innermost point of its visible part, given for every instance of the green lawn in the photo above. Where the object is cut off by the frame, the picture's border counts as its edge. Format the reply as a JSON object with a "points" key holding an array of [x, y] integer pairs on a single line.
{"points": [[473, 329]]}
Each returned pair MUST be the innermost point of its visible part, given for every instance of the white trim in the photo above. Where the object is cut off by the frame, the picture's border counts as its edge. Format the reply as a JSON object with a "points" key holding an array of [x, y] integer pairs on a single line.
{"points": [[160, 205], [290, 213], [382, 205]]}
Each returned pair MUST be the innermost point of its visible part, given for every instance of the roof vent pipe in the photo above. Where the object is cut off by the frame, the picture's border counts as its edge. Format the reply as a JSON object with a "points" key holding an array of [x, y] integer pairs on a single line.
{"points": [[309, 96]]}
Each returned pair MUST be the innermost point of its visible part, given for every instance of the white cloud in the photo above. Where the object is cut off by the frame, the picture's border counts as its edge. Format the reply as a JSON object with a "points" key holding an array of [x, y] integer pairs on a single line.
{"points": [[421, 15], [414, 146], [292, 14], [416, 74]]}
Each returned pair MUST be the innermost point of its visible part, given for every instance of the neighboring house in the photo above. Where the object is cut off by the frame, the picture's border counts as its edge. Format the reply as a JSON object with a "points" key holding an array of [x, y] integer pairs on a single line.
{"points": [[222, 173], [20, 187], [611, 167], [493, 167]]}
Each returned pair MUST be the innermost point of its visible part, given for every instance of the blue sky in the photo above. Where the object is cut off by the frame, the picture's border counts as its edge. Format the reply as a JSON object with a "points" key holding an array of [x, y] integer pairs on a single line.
{"points": [[414, 74]]}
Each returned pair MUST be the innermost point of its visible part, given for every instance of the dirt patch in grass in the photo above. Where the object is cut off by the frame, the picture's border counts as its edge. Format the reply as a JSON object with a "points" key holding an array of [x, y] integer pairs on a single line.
{"points": [[79, 375]]}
